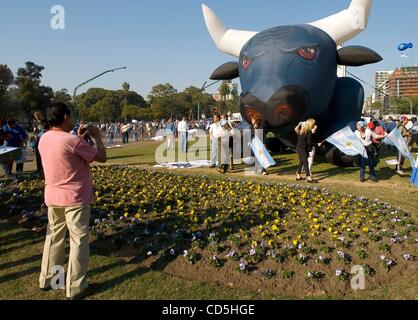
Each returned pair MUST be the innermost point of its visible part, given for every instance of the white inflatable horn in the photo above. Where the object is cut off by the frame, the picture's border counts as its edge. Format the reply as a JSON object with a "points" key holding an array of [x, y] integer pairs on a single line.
{"points": [[341, 27]]}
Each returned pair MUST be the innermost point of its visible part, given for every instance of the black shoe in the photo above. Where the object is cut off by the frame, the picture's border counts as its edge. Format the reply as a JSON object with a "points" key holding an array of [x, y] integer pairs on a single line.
{"points": [[88, 292], [362, 180], [212, 166], [45, 289], [312, 181], [374, 179]]}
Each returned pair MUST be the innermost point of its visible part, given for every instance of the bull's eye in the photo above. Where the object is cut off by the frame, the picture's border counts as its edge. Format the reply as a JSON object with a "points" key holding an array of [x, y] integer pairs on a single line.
{"points": [[246, 62], [307, 53]]}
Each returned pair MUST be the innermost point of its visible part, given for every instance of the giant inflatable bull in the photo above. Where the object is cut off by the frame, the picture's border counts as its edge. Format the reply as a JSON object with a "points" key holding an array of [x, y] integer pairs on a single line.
{"points": [[289, 73]]}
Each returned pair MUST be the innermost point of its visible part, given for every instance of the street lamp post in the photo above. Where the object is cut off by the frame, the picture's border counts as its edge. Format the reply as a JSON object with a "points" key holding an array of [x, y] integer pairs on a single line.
{"points": [[204, 87], [83, 84]]}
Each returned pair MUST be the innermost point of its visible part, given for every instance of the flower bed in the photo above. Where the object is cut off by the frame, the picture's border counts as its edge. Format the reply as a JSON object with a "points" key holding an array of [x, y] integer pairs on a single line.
{"points": [[280, 237]]}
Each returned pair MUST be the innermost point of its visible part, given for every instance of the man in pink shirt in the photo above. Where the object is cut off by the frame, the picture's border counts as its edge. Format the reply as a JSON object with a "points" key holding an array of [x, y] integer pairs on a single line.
{"points": [[68, 195]]}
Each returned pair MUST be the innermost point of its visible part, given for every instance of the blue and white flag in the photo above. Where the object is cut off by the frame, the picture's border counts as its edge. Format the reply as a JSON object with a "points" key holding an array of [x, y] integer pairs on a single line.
{"points": [[348, 143], [261, 153], [395, 139]]}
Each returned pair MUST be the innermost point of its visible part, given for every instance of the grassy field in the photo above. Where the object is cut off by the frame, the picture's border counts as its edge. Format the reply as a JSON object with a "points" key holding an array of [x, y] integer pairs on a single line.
{"points": [[20, 249]]}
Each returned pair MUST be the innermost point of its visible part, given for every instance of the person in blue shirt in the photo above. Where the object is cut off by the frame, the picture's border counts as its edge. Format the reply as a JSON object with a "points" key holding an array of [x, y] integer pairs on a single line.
{"points": [[170, 130], [390, 125], [17, 138]]}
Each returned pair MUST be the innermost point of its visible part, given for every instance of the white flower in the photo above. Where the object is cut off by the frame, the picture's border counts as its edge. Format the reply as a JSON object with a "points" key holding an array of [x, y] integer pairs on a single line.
{"points": [[310, 274], [172, 251], [407, 256], [300, 246], [338, 272], [252, 252], [97, 221], [185, 253], [382, 257], [230, 254], [212, 235], [242, 265], [149, 253]]}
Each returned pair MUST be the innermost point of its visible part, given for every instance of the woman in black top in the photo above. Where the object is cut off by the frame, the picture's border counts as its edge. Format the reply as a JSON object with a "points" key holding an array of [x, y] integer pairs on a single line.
{"points": [[305, 144]]}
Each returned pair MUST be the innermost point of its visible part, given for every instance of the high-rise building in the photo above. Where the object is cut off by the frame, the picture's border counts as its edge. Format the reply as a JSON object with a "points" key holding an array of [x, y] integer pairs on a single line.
{"points": [[404, 82], [382, 85]]}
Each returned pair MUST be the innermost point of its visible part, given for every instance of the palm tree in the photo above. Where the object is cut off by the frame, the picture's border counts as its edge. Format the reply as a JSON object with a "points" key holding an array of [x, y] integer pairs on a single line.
{"points": [[224, 90], [126, 86]]}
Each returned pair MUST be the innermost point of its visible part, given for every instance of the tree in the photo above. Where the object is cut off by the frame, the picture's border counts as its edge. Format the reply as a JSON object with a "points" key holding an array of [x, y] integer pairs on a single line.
{"points": [[403, 105], [159, 91], [224, 90], [106, 105], [131, 112], [31, 94], [234, 94], [126, 86], [6, 79], [62, 96]]}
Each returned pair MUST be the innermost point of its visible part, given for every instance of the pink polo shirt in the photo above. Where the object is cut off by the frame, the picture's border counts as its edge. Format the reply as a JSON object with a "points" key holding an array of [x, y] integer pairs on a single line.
{"points": [[68, 178]]}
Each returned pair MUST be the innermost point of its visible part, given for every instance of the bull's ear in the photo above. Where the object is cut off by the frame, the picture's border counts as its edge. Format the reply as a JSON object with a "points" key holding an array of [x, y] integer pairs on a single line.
{"points": [[355, 56], [227, 71]]}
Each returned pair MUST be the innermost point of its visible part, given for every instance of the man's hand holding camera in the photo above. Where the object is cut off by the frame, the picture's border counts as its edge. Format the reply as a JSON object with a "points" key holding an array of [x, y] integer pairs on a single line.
{"points": [[88, 132]]}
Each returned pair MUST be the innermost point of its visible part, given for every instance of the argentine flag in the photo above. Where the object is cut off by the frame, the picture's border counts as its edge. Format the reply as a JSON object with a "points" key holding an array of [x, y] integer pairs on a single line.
{"points": [[395, 139], [348, 143], [261, 153]]}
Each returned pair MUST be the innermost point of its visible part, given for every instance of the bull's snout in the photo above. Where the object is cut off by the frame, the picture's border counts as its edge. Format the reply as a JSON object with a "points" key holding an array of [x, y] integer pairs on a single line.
{"points": [[286, 106]]}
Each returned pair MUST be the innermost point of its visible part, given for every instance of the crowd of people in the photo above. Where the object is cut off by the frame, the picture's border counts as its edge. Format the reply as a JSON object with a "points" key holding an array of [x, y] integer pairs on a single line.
{"points": [[221, 130], [136, 131]]}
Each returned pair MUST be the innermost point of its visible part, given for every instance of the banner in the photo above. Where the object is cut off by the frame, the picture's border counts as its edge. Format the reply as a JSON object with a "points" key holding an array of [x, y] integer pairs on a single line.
{"points": [[395, 139], [261, 153], [348, 143]]}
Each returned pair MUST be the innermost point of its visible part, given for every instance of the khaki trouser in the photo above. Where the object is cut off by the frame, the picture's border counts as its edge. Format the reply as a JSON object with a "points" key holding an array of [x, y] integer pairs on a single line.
{"points": [[76, 219]]}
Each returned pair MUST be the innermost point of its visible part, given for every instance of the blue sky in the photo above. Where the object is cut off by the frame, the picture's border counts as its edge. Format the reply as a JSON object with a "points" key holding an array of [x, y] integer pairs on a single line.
{"points": [[167, 41]]}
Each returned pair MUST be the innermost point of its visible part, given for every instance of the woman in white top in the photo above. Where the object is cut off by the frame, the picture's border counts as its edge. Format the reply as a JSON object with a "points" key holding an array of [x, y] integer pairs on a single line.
{"points": [[366, 137], [219, 144]]}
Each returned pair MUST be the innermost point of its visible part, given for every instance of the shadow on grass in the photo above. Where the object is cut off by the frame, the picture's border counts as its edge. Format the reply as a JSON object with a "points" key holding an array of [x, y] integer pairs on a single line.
{"points": [[20, 274], [20, 262], [112, 283], [20, 236], [36, 241]]}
